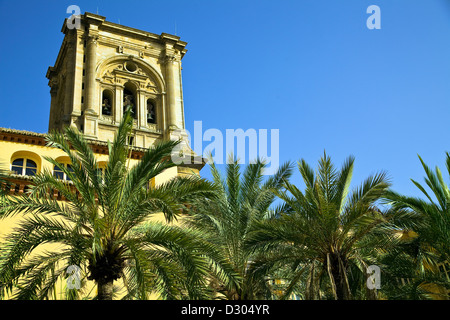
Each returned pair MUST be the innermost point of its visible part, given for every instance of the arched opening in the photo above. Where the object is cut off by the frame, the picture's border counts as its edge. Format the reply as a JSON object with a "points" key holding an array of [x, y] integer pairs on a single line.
{"points": [[151, 111], [25, 163], [58, 172], [24, 167], [129, 99], [108, 66], [107, 103]]}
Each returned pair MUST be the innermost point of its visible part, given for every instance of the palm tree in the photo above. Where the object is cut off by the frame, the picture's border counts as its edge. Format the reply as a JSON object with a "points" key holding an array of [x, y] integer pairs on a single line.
{"points": [[427, 226], [4, 184], [324, 236], [242, 200], [104, 228]]}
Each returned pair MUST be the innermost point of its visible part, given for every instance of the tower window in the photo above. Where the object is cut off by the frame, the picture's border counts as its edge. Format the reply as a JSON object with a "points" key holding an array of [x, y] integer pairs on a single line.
{"points": [[129, 100], [151, 112], [107, 103], [24, 167]]}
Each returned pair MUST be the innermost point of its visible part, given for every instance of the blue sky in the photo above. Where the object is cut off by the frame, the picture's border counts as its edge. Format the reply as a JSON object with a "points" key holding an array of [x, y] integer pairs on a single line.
{"points": [[310, 68]]}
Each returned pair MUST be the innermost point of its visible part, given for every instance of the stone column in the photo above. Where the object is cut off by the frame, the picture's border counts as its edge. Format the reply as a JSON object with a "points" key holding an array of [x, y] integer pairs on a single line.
{"points": [[162, 120], [172, 94], [91, 61], [175, 129], [118, 105], [90, 114], [141, 109], [78, 73]]}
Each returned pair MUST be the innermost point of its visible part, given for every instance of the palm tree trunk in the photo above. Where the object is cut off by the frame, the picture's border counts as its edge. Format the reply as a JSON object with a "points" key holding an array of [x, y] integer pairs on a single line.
{"points": [[338, 277], [105, 290], [310, 292], [341, 288]]}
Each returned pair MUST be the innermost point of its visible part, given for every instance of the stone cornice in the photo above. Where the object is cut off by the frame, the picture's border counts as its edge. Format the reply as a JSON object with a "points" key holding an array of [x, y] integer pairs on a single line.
{"points": [[94, 19]]}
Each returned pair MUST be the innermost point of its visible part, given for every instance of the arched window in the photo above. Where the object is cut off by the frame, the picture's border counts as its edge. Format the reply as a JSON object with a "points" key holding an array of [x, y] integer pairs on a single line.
{"points": [[129, 99], [24, 167], [151, 111], [59, 173], [107, 103]]}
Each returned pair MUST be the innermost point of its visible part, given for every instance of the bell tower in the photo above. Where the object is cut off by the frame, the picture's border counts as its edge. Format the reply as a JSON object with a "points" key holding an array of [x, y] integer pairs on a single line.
{"points": [[104, 68]]}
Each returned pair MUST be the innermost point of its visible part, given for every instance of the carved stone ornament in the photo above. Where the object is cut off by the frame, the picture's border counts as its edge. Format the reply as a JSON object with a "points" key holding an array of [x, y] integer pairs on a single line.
{"points": [[108, 77], [92, 38], [118, 73]]}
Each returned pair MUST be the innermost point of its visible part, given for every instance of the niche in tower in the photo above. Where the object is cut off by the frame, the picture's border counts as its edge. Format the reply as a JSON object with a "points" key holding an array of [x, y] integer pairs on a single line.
{"points": [[151, 111], [129, 99], [107, 100]]}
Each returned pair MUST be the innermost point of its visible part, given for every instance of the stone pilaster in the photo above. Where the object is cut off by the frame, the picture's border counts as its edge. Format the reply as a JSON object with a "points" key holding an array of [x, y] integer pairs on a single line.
{"points": [[172, 105], [91, 61], [118, 105], [91, 112], [141, 109]]}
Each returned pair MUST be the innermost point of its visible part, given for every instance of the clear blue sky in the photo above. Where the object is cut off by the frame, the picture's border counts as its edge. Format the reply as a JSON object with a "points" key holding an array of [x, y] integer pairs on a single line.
{"points": [[310, 68]]}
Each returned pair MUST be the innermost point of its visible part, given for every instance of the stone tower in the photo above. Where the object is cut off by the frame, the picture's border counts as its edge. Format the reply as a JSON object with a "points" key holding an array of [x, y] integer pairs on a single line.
{"points": [[103, 68]]}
